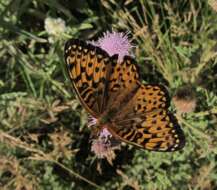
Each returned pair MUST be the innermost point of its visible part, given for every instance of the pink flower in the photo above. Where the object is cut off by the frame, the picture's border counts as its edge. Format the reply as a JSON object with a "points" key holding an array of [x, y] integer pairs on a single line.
{"points": [[105, 134], [104, 145], [92, 121], [115, 43]]}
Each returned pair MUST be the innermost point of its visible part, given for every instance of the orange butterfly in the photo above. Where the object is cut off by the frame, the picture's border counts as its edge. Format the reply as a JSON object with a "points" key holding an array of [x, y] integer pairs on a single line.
{"points": [[112, 93]]}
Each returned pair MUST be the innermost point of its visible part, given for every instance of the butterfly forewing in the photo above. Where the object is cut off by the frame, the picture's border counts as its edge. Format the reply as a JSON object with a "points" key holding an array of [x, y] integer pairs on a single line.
{"points": [[88, 68]]}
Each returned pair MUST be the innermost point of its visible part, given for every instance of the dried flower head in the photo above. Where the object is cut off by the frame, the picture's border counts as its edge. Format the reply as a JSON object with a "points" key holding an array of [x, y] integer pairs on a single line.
{"points": [[114, 43], [184, 99]]}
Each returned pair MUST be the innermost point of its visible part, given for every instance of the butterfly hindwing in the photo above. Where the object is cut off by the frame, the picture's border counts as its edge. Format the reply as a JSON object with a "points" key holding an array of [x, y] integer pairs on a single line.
{"points": [[146, 122], [158, 131]]}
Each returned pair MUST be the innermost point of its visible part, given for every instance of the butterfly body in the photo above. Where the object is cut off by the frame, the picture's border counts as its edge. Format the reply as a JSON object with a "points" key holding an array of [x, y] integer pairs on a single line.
{"points": [[112, 93]]}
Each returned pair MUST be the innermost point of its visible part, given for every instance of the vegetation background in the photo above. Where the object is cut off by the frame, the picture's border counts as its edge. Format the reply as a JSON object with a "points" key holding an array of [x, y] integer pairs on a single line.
{"points": [[44, 141]]}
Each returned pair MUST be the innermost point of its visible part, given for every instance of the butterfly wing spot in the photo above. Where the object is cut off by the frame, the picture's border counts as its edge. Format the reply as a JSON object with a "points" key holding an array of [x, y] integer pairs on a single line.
{"points": [[129, 134], [156, 88], [67, 50], [90, 65], [99, 58], [79, 48], [92, 53], [163, 99], [85, 50], [74, 46], [97, 69], [156, 140], [137, 137]]}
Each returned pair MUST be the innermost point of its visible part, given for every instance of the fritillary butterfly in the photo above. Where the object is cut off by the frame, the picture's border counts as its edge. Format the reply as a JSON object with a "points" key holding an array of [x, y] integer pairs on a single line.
{"points": [[112, 93]]}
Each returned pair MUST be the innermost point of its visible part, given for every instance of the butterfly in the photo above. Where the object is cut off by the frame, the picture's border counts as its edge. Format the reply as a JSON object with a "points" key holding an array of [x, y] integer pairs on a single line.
{"points": [[111, 92]]}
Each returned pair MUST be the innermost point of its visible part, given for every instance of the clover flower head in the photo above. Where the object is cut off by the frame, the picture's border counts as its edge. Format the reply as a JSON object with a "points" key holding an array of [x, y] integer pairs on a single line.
{"points": [[54, 27], [115, 43]]}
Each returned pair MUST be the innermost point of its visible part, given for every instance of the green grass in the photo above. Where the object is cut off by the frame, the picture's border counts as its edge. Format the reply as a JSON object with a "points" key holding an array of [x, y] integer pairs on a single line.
{"points": [[44, 141]]}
